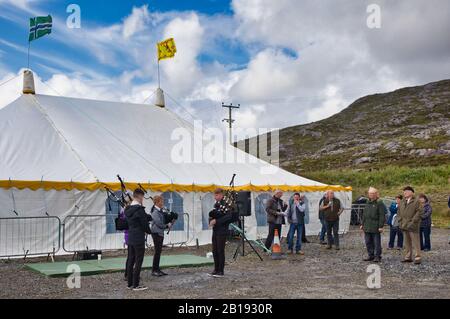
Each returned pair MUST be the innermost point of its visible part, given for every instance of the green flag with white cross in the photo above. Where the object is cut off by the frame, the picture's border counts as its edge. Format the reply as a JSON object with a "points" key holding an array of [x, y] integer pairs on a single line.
{"points": [[40, 26]]}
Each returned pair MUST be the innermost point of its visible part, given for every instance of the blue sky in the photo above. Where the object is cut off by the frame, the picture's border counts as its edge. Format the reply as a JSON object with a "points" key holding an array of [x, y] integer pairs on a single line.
{"points": [[99, 13], [286, 62]]}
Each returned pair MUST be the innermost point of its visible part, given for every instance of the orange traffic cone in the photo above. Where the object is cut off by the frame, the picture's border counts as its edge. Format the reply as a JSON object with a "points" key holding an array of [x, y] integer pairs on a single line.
{"points": [[276, 247]]}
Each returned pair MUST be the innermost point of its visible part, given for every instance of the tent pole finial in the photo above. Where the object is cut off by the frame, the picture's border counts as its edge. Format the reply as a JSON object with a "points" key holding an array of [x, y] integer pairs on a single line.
{"points": [[28, 82], [160, 101]]}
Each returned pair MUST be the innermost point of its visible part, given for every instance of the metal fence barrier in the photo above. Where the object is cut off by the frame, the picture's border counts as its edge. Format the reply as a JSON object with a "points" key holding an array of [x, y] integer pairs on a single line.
{"points": [[45, 235], [178, 237], [98, 232], [29, 236], [356, 214], [91, 232]]}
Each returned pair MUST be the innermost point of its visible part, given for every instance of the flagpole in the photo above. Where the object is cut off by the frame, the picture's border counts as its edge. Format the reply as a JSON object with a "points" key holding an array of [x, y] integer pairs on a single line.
{"points": [[28, 65], [159, 76]]}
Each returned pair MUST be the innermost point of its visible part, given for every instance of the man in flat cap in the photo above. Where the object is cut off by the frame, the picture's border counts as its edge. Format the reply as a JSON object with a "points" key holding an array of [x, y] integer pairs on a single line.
{"points": [[409, 218], [372, 225]]}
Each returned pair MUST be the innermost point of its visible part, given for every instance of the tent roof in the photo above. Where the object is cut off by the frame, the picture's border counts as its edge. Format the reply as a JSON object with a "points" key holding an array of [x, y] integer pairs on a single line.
{"points": [[79, 141]]}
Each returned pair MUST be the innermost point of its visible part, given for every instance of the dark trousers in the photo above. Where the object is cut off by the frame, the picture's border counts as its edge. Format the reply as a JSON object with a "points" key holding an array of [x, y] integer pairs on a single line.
{"points": [[395, 231], [271, 234], [333, 232], [373, 244], [218, 249], [323, 230], [126, 268], [158, 242], [135, 260], [425, 238]]}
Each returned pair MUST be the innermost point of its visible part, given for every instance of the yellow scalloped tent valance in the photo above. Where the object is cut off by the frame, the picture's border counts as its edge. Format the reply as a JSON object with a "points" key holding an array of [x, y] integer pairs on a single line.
{"points": [[49, 185]]}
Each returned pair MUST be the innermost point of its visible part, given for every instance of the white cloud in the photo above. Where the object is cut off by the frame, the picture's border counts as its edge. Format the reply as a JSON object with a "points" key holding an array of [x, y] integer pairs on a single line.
{"points": [[248, 117], [8, 91], [136, 21], [308, 59], [183, 73], [269, 74]]}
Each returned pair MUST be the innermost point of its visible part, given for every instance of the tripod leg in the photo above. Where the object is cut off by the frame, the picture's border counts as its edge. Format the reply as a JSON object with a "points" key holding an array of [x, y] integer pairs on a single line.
{"points": [[243, 237], [236, 251], [253, 248]]}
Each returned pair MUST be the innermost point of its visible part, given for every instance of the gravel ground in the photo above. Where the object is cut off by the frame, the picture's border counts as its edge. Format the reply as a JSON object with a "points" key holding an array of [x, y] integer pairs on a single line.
{"points": [[319, 274]]}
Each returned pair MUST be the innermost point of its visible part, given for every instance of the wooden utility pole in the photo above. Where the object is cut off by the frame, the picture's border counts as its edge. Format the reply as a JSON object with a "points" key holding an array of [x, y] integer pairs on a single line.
{"points": [[230, 119]]}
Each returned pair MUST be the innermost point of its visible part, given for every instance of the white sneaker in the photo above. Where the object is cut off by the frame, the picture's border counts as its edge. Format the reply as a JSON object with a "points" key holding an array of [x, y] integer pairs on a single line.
{"points": [[140, 288]]}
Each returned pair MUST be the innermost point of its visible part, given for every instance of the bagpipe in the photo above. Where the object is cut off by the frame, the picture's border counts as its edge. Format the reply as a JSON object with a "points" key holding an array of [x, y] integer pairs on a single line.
{"points": [[123, 199], [227, 204], [169, 217], [145, 192], [125, 196]]}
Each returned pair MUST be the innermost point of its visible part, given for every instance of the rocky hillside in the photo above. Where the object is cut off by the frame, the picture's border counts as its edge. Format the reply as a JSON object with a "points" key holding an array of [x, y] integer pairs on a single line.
{"points": [[410, 126]]}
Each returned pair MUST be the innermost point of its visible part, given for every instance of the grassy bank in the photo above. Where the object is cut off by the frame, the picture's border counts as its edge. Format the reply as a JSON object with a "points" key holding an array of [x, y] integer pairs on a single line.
{"points": [[433, 181]]}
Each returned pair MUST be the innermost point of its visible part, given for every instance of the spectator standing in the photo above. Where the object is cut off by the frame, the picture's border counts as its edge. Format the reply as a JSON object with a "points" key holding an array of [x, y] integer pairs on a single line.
{"points": [[372, 224], [410, 217], [296, 218], [394, 230], [323, 230], [275, 209], [425, 225], [332, 209]]}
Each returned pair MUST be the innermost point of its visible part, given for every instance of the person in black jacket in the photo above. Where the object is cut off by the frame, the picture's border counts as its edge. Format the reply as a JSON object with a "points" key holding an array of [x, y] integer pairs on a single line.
{"points": [[220, 221], [275, 209], [138, 226]]}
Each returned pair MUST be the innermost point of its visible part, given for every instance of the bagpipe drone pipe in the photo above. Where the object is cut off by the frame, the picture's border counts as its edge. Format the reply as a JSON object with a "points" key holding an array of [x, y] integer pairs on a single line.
{"points": [[227, 204], [120, 221], [123, 199], [169, 216]]}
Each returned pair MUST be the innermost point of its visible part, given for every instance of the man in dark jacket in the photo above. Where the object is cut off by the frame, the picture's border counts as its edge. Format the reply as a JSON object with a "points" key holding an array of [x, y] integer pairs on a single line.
{"points": [[275, 209], [332, 210], [410, 215], [323, 230], [138, 226], [220, 220], [425, 225], [372, 225]]}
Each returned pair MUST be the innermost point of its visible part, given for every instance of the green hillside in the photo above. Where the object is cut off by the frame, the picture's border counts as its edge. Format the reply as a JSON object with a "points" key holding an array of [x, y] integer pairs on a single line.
{"points": [[383, 140]]}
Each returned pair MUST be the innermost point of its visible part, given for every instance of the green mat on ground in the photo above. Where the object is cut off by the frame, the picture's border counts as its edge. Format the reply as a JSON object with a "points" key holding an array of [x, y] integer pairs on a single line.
{"points": [[93, 267]]}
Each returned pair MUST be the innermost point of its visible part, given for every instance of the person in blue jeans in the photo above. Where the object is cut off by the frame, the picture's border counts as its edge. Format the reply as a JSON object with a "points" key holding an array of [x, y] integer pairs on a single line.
{"points": [[425, 225], [323, 230], [297, 218], [394, 230]]}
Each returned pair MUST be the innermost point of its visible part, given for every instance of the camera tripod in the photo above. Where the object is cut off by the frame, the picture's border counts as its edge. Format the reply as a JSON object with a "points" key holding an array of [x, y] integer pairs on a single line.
{"points": [[243, 240]]}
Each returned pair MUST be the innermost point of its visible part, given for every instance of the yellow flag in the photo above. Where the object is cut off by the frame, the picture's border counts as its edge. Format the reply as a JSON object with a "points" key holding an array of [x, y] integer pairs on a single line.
{"points": [[166, 49]]}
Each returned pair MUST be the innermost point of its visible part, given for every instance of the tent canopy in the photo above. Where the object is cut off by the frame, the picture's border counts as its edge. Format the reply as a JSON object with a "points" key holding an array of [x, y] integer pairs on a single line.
{"points": [[55, 142]]}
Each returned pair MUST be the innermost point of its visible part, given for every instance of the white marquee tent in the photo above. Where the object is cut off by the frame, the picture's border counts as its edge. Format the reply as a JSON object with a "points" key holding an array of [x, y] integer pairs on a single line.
{"points": [[57, 154]]}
